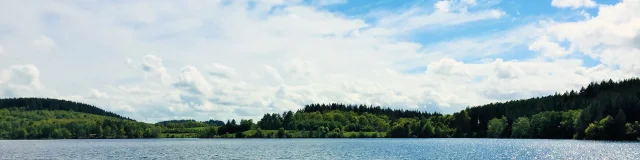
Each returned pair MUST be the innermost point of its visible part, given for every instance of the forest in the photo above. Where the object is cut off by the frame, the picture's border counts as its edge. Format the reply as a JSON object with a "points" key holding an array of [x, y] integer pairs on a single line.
{"points": [[55, 104], [605, 110], [19, 123]]}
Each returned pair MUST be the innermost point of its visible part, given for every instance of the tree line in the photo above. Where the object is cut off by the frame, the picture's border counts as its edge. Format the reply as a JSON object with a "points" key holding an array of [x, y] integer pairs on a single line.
{"points": [[598, 111], [19, 123], [615, 104], [605, 110], [55, 104]]}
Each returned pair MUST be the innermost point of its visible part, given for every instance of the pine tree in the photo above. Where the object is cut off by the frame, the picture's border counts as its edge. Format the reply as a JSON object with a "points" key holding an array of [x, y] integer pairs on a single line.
{"points": [[620, 121]]}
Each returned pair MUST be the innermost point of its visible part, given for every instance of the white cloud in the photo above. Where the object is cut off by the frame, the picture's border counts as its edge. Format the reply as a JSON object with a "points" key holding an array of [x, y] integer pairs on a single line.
{"points": [[447, 67], [608, 37], [153, 68], [22, 80], [129, 61], [442, 6], [445, 6], [506, 70], [234, 61], [192, 81], [477, 47], [273, 74], [469, 2], [1, 50], [299, 68], [446, 13], [328, 2], [573, 3], [23, 75], [221, 71], [44, 43], [96, 94], [75, 98], [548, 48]]}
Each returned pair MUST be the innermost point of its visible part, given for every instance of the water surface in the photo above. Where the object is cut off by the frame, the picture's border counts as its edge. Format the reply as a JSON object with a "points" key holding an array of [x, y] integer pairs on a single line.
{"points": [[317, 149]]}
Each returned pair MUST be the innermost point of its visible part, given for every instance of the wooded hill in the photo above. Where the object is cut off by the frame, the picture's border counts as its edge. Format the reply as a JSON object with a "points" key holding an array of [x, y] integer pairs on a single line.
{"points": [[604, 110], [44, 118], [55, 104], [619, 100]]}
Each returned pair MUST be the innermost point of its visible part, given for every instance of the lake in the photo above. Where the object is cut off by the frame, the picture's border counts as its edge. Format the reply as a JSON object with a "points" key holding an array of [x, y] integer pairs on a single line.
{"points": [[317, 149]]}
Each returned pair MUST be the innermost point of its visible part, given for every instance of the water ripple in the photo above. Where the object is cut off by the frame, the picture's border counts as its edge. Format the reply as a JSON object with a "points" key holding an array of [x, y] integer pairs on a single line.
{"points": [[318, 149]]}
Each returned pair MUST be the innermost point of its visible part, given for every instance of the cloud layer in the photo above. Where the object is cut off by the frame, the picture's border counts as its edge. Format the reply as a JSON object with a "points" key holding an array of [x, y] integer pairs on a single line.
{"points": [[241, 59]]}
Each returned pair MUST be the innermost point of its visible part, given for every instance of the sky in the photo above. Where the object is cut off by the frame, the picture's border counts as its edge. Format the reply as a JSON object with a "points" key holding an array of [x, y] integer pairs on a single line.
{"points": [[231, 59]]}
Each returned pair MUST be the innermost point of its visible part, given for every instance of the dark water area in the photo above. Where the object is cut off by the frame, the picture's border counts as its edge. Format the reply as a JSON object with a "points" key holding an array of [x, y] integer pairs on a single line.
{"points": [[318, 149]]}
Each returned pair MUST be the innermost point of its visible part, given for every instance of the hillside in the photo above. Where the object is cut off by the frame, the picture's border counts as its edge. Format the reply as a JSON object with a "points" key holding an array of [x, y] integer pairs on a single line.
{"points": [[55, 104], [597, 101], [19, 123]]}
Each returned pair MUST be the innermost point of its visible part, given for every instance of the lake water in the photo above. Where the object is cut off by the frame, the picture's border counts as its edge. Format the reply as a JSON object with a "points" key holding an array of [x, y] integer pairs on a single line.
{"points": [[317, 149]]}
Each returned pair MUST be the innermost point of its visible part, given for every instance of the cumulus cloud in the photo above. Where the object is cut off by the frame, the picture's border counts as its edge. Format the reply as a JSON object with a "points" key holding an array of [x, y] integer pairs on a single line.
{"points": [[506, 70], [153, 68], [193, 82], [573, 3], [22, 81], [234, 61], [446, 67], [22, 75], [608, 37], [221, 71], [96, 94], [548, 48]]}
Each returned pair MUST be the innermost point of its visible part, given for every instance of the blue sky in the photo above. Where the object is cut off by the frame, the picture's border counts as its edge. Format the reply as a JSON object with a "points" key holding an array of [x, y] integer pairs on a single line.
{"points": [[202, 59]]}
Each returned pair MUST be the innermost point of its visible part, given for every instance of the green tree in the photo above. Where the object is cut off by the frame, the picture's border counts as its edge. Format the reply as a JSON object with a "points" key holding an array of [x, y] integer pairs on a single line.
{"points": [[81, 133], [496, 127], [633, 130], [362, 135], [99, 132], [620, 122], [155, 132], [66, 134], [462, 123], [139, 133], [122, 133], [57, 134], [259, 133], [211, 132], [375, 135], [428, 130], [107, 132], [245, 125], [282, 133], [520, 128], [599, 130], [402, 128], [20, 133]]}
